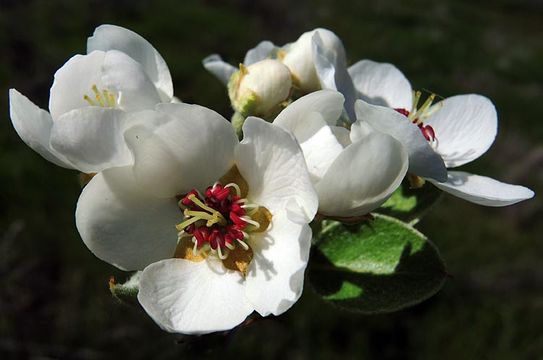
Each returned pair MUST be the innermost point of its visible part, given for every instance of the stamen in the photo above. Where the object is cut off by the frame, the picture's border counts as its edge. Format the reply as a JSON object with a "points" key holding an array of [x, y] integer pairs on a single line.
{"points": [[104, 98], [97, 95], [249, 206], [221, 255], [250, 221], [195, 251], [235, 186], [89, 100], [110, 98], [216, 221], [243, 244], [182, 234]]}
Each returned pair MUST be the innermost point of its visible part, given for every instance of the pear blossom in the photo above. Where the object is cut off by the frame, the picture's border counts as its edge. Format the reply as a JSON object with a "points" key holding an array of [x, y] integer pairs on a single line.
{"points": [[459, 129], [90, 99], [219, 227], [354, 171], [223, 71], [301, 57], [316, 60], [260, 88]]}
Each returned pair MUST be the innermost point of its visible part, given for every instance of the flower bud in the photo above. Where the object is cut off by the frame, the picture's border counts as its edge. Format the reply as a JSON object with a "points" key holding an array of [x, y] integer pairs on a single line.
{"points": [[260, 88], [298, 57]]}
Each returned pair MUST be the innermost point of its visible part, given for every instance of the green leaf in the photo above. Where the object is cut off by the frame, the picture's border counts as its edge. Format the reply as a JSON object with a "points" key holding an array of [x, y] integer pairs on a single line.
{"points": [[381, 266], [410, 205], [126, 293]]}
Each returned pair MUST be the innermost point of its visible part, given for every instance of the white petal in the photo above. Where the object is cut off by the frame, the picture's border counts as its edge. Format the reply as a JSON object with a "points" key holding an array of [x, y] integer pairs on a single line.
{"points": [[423, 160], [33, 125], [381, 84], [332, 73], [272, 163], [465, 127], [328, 103], [122, 224], [111, 37], [222, 70], [319, 143], [342, 135], [260, 52], [275, 278], [359, 130], [363, 176], [193, 297], [113, 71], [192, 148], [74, 80], [125, 77], [483, 190], [92, 139]]}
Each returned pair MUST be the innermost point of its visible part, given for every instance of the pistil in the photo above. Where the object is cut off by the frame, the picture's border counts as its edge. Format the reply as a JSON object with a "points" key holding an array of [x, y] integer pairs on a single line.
{"points": [[220, 220], [418, 115]]}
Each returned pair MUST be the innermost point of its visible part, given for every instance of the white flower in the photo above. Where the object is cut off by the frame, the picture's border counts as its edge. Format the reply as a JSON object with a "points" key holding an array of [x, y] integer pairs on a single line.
{"points": [[260, 88], [224, 71], [219, 227], [354, 171], [302, 57], [89, 101], [459, 129]]}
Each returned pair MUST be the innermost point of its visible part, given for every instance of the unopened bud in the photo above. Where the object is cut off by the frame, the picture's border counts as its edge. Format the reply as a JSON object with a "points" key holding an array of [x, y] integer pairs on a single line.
{"points": [[260, 88], [299, 57]]}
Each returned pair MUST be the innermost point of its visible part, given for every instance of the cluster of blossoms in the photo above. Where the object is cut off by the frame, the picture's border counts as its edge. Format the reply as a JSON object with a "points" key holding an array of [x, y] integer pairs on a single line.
{"points": [[214, 213]]}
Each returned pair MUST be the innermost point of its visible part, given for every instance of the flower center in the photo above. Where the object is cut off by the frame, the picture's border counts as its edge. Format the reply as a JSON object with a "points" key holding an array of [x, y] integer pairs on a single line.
{"points": [[419, 115], [103, 98], [220, 220]]}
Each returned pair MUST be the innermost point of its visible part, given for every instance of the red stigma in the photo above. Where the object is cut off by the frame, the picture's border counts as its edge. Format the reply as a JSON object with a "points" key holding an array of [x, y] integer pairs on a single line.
{"points": [[426, 130], [404, 112]]}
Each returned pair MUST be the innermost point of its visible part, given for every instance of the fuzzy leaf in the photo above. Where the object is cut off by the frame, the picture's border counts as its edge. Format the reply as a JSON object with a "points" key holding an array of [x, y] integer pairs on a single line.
{"points": [[410, 205], [381, 266]]}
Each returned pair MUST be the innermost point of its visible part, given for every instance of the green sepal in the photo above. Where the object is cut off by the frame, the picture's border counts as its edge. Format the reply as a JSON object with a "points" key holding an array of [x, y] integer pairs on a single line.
{"points": [[126, 293], [237, 122], [380, 266], [243, 102]]}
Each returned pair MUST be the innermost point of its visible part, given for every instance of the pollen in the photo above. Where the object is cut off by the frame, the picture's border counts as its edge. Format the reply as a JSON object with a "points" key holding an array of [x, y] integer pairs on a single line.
{"points": [[103, 98]]}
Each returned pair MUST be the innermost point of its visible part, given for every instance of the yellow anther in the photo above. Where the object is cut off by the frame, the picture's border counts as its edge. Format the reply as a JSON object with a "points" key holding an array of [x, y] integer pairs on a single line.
{"points": [[104, 98], [89, 100], [97, 95], [111, 99]]}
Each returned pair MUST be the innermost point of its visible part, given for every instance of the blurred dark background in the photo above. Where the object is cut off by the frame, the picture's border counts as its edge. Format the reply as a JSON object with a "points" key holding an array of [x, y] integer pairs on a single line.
{"points": [[54, 298]]}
